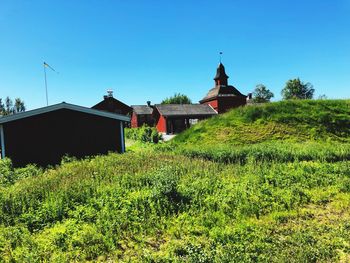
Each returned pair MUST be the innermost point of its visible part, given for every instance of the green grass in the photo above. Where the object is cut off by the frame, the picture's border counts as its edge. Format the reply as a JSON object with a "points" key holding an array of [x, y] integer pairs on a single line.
{"points": [[282, 198], [168, 207], [277, 151], [295, 121]]}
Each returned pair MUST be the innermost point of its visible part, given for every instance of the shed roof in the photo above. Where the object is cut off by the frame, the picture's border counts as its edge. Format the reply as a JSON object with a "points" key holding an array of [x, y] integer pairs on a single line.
{"points": [[110, 103], [60, 106], [142, 109], [185, 109]]}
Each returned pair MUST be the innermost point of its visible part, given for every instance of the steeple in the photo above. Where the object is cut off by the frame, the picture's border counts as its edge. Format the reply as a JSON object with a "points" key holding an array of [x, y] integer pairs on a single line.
{"points": [[221, 77]]}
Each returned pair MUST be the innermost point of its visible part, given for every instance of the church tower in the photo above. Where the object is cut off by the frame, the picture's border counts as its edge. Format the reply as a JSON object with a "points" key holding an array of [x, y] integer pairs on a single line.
{"points": [[221, 77], [222, 96]]}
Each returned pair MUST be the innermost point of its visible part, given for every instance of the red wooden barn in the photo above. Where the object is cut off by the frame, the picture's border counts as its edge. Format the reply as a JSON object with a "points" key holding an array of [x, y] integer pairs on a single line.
{"points": [[43, 136], [222, 96], [174, 118]]}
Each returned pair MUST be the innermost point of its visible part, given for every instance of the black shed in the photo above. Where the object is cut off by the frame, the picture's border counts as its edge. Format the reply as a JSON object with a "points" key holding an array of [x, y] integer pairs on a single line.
{"points": [[43, 136]]}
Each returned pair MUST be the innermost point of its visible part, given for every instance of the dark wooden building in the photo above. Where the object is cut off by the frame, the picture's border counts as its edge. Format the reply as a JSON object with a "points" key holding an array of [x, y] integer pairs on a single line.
{"points": [[222, 96], [113, 105], [43, 136], [174, 118], [142, 115]]}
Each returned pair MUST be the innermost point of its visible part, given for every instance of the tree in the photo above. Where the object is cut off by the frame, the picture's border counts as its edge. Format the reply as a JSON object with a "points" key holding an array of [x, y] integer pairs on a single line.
{"points": [[2, 107], [261, 94], [295, 89], [177, 99], [19, 106], [9, 108]]}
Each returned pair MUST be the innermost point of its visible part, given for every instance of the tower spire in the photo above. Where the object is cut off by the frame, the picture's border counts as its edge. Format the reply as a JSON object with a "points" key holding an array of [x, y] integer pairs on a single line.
{"points": [[221, 77]]}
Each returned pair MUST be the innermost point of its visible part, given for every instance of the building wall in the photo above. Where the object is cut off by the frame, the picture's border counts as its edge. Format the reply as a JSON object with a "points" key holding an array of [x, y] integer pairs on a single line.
{"points": [[227, 103], [161, 124], [137, 120], [159, 121], [223, 104], [44, 139], [134, 123], [213, 103]]}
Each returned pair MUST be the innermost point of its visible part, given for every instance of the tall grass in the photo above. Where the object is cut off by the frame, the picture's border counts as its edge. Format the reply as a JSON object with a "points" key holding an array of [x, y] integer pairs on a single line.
{"points": [[267, 152], [161, 206]]}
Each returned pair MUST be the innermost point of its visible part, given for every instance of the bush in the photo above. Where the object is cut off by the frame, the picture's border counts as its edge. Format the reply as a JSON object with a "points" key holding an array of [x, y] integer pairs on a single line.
{"points": [[9, 175], [143, 134]]}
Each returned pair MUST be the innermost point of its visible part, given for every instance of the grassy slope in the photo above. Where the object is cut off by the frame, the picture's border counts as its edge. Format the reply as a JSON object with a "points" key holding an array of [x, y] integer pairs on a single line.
{"points": [[274, 201], [295, 121]]}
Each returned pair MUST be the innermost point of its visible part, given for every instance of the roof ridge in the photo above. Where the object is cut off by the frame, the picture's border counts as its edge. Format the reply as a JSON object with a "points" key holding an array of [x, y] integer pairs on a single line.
{"points": [[62, 105]]}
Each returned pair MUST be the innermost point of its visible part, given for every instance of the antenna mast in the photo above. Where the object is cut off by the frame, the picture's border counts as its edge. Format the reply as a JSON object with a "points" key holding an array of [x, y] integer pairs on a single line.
{"points": [[47, 66], [47, 97]]}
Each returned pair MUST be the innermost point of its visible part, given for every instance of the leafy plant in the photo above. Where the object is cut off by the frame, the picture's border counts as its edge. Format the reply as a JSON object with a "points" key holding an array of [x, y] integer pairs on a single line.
{"points": [[143, 134]]}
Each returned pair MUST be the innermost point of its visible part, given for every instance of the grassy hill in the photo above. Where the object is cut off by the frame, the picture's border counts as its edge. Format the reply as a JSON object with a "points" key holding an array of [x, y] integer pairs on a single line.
{"points": [[295, 121], [227, 190]]}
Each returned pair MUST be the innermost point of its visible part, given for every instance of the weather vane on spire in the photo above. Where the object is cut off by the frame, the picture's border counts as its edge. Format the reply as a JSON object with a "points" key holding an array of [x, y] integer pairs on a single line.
{"points": [[220, 55]]}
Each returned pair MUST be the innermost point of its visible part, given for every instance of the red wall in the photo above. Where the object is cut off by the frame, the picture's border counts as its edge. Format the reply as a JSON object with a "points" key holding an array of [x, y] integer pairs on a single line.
{"points": [[134, 123], [223, 104], [213, 103], [227, 103], [161, 124]]}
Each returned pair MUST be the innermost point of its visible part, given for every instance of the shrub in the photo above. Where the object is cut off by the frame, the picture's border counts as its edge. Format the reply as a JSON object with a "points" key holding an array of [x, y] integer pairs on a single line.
{"points": [[9, 175], [143, 134]]}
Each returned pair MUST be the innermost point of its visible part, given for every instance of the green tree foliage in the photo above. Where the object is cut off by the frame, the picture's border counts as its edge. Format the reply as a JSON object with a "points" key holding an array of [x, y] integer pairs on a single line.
{"points": [[177, 99], [8, 107], [296, 89], [261, 94]]}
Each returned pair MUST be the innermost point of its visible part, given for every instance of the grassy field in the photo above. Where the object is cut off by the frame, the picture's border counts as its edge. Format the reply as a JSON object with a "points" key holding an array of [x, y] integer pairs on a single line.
{"points": [[283, 197]]}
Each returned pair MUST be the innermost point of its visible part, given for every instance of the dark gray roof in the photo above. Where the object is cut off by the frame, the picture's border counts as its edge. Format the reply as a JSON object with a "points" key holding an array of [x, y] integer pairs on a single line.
{"points": [[60, 106], [222, 90], [142, 109], [185, 109]]}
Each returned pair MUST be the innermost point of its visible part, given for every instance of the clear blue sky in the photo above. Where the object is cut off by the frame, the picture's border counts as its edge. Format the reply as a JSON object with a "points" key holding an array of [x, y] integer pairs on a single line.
{"points": [[148, 50]]}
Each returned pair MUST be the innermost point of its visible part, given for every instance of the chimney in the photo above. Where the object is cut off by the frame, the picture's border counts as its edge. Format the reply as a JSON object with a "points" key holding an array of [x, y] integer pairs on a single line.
{"points": [[110, 93], [149, 103]]}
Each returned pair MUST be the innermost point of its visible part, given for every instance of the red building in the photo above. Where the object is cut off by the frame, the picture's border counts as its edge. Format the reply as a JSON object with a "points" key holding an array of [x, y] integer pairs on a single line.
{"points": [[142, 115], [174, 118], [222, 96], [113, 105]]}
